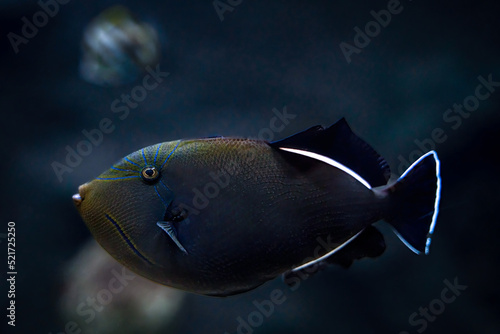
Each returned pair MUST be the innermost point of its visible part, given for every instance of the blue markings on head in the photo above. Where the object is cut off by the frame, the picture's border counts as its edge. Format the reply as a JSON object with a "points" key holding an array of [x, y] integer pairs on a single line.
{"points": [[156, 155], [117, 178], [168, 157], [127, 240], [164, 193], [122, 170], [133, 165], [144, 164]]}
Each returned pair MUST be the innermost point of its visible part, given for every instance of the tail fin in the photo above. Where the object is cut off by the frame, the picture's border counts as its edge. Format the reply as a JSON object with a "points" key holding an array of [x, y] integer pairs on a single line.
{"points": [[416, 197]]}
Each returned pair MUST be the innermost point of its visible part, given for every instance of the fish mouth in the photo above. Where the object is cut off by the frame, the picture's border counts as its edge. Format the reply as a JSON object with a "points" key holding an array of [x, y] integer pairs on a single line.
{"points": [[78, 198]]}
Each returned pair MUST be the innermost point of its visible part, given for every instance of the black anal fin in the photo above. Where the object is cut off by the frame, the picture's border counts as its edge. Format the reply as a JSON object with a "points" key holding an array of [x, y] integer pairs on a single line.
{"points": [[369, 243], [339, 143], [169, 228]]}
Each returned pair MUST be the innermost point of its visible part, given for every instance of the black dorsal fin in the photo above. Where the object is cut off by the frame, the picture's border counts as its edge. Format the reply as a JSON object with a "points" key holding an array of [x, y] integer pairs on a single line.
{"points": [[339, 143]]}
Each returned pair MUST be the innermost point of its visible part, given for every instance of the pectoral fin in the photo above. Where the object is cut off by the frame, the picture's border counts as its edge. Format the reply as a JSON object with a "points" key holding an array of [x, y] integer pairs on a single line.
{"points": [[169, 228]]}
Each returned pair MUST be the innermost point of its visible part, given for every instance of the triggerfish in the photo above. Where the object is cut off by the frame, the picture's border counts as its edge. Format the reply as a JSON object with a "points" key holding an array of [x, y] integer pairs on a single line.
{"points": [[220, 216]]}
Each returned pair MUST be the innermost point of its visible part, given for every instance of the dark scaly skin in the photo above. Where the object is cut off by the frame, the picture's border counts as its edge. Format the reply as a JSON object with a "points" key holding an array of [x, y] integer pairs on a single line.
{"points": [[262, 217]]}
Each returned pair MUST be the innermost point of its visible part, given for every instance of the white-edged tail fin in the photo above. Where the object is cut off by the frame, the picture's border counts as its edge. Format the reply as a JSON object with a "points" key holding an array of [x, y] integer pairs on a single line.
{"points": [[415, 202]]}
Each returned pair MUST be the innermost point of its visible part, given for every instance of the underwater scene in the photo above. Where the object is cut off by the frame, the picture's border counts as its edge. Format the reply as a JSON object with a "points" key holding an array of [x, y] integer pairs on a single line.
{"points": [[239, 167]]}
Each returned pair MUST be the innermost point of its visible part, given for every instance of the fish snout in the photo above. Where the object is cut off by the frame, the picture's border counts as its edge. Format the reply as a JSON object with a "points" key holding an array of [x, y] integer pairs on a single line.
{"points": [[78, 198]]}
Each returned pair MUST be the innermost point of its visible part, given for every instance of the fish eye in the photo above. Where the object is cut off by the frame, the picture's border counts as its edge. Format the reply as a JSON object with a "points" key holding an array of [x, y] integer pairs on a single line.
{"points": [[150, 174]]}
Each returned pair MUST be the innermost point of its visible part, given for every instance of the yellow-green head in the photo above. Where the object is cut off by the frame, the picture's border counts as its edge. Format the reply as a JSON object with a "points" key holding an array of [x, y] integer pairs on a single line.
{"points": [[122, 206]]}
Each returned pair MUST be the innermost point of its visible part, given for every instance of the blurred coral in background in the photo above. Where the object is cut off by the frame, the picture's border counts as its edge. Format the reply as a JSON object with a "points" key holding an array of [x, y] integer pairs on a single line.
{"points": [[101, 296], [117, 47]]}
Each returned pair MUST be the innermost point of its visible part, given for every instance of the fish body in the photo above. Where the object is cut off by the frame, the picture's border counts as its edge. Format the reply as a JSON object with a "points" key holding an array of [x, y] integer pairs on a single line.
{"points": [[220, 216]]}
